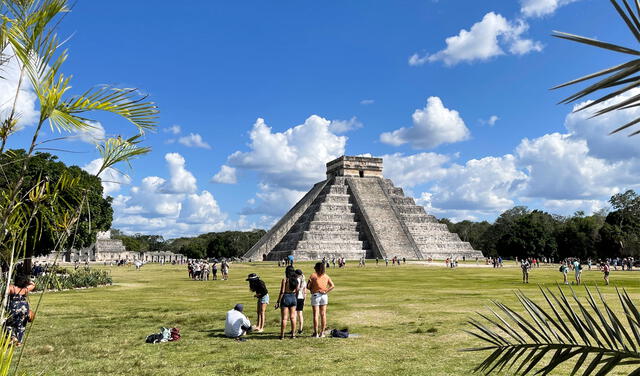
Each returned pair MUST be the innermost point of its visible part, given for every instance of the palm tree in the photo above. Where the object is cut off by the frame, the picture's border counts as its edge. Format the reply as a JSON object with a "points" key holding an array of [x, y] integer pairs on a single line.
{"points": [[616, 80], [567, 330]]}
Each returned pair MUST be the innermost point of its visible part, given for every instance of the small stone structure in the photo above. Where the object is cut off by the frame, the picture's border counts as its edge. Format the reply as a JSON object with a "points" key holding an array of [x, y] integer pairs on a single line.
{"points": [[356, 213], [106, 249]]}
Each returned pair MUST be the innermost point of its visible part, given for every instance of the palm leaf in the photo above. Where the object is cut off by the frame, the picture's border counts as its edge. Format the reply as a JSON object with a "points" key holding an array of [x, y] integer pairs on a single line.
{"points": [[622, 74], [542, 339]]}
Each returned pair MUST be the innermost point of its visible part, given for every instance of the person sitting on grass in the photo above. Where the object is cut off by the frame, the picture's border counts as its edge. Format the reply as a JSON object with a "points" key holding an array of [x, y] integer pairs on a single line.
{"points": [[287, 301], [236, 324], [258, 286], [19, 307], [320, 284]]}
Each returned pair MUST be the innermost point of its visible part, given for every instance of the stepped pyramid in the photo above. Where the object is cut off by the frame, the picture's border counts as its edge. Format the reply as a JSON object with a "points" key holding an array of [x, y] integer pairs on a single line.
{"points": [[356, 212]]}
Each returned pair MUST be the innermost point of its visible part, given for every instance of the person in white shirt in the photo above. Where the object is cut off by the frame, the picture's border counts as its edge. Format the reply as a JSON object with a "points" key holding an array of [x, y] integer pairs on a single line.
{"points": [[302, 295], [237, 324]]}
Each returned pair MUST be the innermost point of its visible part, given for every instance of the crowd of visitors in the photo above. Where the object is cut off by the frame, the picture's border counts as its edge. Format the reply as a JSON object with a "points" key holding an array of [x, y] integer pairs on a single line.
{"points": [[203, 270], [291, 301]]}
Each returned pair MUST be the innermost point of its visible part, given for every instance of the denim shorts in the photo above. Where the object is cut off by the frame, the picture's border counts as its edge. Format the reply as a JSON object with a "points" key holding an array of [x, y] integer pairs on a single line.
{"points": [[289, 300], [264, 299]]}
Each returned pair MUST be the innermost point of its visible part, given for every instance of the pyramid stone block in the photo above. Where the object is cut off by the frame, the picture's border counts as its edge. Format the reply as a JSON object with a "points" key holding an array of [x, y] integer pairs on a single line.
{"points": [[356, 212]]}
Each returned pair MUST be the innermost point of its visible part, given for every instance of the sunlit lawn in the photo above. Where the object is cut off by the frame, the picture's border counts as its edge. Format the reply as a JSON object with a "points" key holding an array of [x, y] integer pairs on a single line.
{"points": [[409, 320]]}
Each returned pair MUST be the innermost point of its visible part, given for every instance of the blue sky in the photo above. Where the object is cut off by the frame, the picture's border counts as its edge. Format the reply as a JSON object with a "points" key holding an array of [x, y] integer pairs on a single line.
{"points": [[256, 96]]}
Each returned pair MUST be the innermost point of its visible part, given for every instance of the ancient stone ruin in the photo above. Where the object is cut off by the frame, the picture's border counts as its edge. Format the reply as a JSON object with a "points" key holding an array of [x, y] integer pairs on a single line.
{"points": [[356, 212]]}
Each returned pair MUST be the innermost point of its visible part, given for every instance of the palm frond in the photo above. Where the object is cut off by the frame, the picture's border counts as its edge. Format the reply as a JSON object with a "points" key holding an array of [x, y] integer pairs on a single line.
{"points": [[616, 76], [543, 338], [117, 149]]}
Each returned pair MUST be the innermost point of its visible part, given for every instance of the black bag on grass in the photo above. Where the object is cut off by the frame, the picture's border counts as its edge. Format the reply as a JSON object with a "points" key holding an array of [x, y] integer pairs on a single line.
{"points": [[154, 338], [344, 333]]}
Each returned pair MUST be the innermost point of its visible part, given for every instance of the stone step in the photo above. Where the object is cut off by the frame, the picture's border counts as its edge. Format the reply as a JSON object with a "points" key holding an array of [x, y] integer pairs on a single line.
{"points": [[461, 246], [330, 236], [418, 218], [422, 227], [400, 200], [329, 244], [336, 189], [326, 207], [333, 226], [335, 198], [334, 217], [413, 209], [313, 255], [436, 237]]}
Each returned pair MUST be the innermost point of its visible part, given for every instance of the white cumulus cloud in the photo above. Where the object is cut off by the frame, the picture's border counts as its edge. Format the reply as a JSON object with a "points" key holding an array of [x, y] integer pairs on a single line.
{"points": [[181, 180], [432, 126], [25, 104], [93, 134], [194, 140], [539, 8], [344, 126], [112, 179], [226, 175], [174, 129], [484, 40]]}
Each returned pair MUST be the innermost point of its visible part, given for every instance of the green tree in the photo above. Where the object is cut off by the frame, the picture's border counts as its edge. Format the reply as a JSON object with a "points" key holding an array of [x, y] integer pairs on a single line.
{"points": [[530, 235]]}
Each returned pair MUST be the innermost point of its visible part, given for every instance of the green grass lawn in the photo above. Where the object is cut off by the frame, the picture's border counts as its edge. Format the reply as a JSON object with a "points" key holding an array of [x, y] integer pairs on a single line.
{"points": [[409, 318]]}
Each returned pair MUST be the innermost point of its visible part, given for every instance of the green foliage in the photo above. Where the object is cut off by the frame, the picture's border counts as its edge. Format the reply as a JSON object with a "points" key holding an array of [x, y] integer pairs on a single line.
{"points": [[616, 80], [88, 191], [519, 232], [582, 331], [210, 245], [63, 279]]}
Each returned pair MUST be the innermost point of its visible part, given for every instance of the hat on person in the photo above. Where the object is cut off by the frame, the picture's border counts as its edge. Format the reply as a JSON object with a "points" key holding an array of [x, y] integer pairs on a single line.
{"points": [[252, 276], [239, 307], [298, 272]]}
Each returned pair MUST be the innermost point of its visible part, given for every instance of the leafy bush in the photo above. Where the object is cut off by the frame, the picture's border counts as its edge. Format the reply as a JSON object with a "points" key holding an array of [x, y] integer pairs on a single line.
{"points": [[62, 279]]}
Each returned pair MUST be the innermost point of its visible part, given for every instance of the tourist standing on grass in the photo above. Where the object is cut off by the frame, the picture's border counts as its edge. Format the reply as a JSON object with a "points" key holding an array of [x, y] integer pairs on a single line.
{"points": [[214, 270], [577, 268], [287, 301], [605, 270], [236, 324], [564, 269], [225, 270], [320, 285], [262, 294], [19, 307], [302, 295], [525, 266]]}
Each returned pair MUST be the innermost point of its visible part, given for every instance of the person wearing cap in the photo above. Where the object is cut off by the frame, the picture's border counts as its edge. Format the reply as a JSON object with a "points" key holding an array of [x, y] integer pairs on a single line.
{"points": [[237, 324], [258, 286]]}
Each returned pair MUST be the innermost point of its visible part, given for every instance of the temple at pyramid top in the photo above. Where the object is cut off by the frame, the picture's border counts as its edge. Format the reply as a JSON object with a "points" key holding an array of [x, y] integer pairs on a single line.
{"points": [[354, 166], [356, 213]]}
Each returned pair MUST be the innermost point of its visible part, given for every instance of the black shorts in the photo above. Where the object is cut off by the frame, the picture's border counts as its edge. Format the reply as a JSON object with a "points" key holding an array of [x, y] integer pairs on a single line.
{"points": [[300, 305]]}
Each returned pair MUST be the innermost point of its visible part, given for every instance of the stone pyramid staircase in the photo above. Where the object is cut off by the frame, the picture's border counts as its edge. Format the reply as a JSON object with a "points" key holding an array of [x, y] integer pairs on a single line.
{"points": [[328, 228], [433, 239]]}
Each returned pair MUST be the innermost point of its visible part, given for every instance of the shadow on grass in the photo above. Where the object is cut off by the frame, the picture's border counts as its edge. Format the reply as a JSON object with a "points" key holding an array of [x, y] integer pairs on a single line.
{"points": [[219, 333]]}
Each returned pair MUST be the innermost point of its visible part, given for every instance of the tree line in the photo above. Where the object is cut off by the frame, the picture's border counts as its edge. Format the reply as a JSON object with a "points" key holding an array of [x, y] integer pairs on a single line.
{"points": [[225, 244], [520, 232]]}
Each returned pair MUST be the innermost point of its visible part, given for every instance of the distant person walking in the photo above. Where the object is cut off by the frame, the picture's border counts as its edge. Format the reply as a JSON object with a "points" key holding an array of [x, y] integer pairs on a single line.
{"points": [[287, 301], [525, 266], [258, 286], [302, 296], [19, 307], [606, 269], [564, 269], [320, 285], [577, 269], [225, 270]]}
